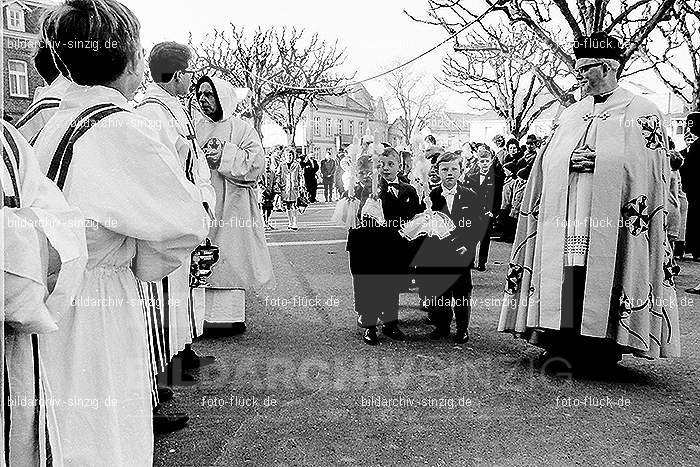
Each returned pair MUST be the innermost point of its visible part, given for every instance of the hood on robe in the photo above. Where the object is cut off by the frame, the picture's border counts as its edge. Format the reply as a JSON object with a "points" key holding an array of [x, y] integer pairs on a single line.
{"points": [[225, 95]]}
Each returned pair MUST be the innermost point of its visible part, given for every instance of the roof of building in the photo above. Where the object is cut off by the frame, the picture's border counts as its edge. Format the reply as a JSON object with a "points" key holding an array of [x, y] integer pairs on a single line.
{"points": [[25, 3], [345, 102]]}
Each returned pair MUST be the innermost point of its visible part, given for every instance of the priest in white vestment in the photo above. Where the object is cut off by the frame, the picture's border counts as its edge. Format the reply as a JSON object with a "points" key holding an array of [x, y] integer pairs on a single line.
{"points": [[590, 272]]}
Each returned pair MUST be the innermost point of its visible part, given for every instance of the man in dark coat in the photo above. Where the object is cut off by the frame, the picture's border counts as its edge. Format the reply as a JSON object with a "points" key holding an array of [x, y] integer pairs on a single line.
{"points": [[310, 167], [328, 168]]}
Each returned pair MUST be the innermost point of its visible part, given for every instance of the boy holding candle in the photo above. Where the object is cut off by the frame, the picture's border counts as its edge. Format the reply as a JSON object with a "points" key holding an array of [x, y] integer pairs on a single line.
{"points": [[445, 264], [378, 253]]}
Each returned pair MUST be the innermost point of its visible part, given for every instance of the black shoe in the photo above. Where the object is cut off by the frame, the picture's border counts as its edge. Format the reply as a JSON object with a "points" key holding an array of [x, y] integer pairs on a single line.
{"points": [[223, 329], [190, 359], [168, 423], [165, 393], [370, 336], [392, 331], [439, 334], [183, 379], [693, 290], [461, 337]]}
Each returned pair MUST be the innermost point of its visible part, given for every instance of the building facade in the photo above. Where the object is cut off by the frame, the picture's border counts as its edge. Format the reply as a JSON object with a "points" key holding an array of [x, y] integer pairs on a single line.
{"points": [[334, 121], [20, 25]]}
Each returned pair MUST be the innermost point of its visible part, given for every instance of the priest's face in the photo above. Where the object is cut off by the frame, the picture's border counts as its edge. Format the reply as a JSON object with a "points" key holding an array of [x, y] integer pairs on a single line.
{"points": [[592, 79], [207, 100]]}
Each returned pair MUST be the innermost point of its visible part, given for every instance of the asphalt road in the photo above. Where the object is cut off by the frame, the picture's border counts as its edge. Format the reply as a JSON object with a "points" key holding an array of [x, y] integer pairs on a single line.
{"points": [[300, 387]]}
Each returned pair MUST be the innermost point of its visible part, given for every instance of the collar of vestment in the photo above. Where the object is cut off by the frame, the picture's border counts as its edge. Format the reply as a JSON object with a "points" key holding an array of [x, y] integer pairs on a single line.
{"points": [[618, 99], [85, 96], [153, 90], [57, 89]]}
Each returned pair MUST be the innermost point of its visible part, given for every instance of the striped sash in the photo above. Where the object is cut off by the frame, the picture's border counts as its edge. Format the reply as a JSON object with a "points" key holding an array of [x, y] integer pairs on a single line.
{"points": [[189, 134], [58, 170], [156, 309], [40, 416], [35, 108], [12, 165]]}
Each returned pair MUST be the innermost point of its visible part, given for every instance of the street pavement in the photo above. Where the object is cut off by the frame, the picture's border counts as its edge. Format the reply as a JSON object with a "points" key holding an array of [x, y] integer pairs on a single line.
{"points": [[301, 388]]}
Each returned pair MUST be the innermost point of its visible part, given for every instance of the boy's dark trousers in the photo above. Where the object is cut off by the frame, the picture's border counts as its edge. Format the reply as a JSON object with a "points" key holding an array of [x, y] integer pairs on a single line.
{"points": [[376, 274], [443, 286], [484, 244]]}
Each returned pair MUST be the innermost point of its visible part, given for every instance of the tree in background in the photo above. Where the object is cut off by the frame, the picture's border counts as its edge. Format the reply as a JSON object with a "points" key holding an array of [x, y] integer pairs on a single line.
{"points": [[307, 66], [492, 72], [274, 65], [674, 54], [555, 24], [414, 97]]}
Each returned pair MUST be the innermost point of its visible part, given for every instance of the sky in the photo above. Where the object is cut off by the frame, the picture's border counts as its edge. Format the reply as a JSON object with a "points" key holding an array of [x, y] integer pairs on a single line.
{"points": [[375, 33]]}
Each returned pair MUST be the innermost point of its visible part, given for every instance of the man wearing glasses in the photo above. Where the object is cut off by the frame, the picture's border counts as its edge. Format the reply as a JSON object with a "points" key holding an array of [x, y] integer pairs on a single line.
{"points": [[178, 315], [589, 277]]}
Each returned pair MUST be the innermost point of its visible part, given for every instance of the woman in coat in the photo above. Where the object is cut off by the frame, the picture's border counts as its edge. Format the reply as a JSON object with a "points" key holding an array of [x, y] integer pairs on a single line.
{"points": [[292, 181]]}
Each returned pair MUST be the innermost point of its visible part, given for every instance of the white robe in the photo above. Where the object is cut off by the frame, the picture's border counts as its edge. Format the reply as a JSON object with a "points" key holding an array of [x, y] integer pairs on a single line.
{"points": [[142, 218], [176, 132], [41, 214], [244, 262], [43, 107]]}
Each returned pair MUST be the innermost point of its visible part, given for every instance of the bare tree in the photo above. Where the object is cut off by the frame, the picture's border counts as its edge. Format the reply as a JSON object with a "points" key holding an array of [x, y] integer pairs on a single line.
{"points": [[415, 101], [308, 67], [246, 60], [556, 24], [675, 55], [491, 70]]}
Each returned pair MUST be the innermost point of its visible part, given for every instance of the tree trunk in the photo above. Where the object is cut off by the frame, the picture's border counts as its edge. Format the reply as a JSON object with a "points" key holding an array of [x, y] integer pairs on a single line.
{"points": [[257, 122], [293, 135]]}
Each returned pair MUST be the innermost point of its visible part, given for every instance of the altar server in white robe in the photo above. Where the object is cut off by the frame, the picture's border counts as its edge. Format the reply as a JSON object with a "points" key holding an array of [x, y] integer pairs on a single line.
{"points": [[236, 158], [46, 98], [168, 63], [142, 218], [35, 215]]}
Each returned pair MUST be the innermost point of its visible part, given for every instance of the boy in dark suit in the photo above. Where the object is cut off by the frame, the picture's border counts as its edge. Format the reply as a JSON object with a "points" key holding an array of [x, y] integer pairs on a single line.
{"points": [[445, 265], [378, 253], [484, 184]]}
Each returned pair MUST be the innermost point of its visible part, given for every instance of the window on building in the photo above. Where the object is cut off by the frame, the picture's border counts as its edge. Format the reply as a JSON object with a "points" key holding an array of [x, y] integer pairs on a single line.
{"points": [[317, 126], [317, 151], [15, 18], [351, 127], [340, 126], [361, 127], [329, 127], [680, 130], [19, 85]]}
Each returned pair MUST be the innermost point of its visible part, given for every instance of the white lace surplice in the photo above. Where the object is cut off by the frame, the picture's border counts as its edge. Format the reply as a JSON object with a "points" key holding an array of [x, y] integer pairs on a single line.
{"points": [[578, 208]]}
